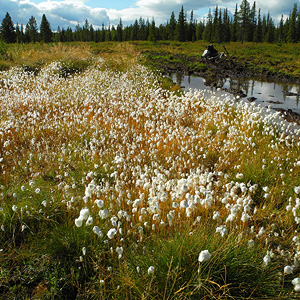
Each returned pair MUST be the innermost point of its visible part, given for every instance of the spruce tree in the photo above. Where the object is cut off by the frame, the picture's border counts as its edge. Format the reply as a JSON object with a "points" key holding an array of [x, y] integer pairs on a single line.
{"points": [[226, 26], [235, 25], [31, 31], [298, 27], [181, 26], [270, 32], [135, 30], [7, 30], [258, 33], [244, 20], [45, 30], [216, 26], [192, 28], [172, 27], [86, 31], [208, 31], [18, 34], [152, 32], [292, 33], [120, 31], [280, 31], [252, 22]]}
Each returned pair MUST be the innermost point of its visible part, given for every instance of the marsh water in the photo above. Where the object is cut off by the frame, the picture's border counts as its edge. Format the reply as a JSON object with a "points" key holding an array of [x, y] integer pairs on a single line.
{"points": [[267, 94]]}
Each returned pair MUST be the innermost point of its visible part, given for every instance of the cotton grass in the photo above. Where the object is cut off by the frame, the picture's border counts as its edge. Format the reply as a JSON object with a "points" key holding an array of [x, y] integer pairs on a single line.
{"points": [[119, 157]]}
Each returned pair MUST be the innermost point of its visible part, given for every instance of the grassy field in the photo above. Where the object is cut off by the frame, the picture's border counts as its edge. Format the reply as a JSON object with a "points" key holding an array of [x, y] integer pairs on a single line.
{"points": [[277, 60], [115, 185]]}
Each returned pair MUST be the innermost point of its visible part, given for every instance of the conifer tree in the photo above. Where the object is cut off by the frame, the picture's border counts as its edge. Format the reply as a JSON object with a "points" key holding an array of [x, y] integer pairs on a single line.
{"points": [[103, 33], [152, 32], [172, 27], [216, 26], [45, 30], [191, 28], [7, 30], [18, 34], [258, 33], [270, 32], [134, 31], [31, 30], [252, 22], [86, 31], [226, 26], [199, 30], [143, 31], [280, 36], [298, 27], [244, 20], [181, 26], [120, 31], [235, 25], [292, 33], [208, 31]]}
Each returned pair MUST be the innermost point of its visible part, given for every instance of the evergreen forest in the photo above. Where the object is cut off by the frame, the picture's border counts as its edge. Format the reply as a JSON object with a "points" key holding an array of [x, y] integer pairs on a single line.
{"points": [[247, 24]]}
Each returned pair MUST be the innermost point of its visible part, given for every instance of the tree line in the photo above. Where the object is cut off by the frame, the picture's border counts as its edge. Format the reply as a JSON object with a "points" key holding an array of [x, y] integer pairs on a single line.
{"points": [[247, 24]]}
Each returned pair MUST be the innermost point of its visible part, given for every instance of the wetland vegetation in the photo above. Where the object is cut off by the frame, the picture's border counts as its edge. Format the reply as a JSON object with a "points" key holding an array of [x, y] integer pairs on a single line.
{"points": [[116, 184]]}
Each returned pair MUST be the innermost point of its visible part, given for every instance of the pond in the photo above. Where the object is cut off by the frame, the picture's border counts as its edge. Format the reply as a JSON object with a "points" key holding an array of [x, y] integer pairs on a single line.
{"points": [[267, 94]]}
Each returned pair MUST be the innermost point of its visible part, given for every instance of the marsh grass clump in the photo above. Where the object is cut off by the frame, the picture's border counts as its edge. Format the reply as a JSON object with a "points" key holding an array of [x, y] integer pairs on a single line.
{"points": [[119, 183], [73, 66]]}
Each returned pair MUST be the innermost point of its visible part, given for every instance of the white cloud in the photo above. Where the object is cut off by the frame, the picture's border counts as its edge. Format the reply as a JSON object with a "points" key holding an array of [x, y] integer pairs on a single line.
{"points": [[66, 13], [275, 7]]}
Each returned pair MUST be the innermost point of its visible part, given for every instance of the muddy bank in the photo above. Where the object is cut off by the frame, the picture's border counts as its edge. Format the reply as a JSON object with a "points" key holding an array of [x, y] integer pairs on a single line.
{"points": [[194, 65]]}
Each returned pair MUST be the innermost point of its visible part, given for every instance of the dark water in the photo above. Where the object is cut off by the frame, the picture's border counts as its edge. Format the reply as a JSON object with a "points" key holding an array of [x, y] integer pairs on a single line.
{"points": [[268, 94]]}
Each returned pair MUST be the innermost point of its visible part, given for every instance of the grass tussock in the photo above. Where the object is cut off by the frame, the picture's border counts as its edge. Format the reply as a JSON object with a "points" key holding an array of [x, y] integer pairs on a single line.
{"points": [[113, 183]]}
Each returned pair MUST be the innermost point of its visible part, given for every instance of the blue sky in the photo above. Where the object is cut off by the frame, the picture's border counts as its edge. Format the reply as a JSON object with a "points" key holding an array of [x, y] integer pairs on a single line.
{"points": [[113, 4], [66, 13]]}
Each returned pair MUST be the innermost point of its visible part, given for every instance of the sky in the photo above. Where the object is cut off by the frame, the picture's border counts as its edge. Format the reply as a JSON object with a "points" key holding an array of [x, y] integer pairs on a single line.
{"points": [[65, 13]]}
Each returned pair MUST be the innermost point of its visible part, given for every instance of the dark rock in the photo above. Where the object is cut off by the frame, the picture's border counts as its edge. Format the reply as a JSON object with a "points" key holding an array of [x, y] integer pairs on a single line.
{"points": [[290, 94], [251, 99], [274, 102]]}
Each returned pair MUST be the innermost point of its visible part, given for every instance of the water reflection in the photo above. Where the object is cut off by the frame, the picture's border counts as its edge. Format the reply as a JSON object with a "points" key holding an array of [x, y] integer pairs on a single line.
{"points": [[277, 95]]}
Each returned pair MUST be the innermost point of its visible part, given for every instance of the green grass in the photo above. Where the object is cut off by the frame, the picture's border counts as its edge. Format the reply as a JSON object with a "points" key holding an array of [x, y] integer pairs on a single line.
{"points": [[258, 58], [42, 249]]}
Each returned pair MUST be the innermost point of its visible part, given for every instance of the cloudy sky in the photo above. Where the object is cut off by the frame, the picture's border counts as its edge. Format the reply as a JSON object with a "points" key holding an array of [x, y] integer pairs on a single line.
{"points": [[66, 13]]}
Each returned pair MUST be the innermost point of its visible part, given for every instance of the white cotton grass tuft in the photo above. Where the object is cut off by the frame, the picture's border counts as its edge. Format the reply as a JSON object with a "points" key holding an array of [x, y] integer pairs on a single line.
{"points": [[103, 214], [239, 176], [111, 233], [296, 284], [288, 270], [151, 270], [97, 231], [119, 250], [84, 215], [204, 256], [266, 259]]}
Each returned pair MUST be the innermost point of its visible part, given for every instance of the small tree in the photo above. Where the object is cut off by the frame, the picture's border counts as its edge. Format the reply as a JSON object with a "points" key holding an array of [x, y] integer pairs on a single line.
{"points": [[258, 33], [172, 27], [292, 32], [45, 30], [120, 31], [7, 30], [181, 26], [31, 31], [244, 20], [152, 32], [208, 31]]}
